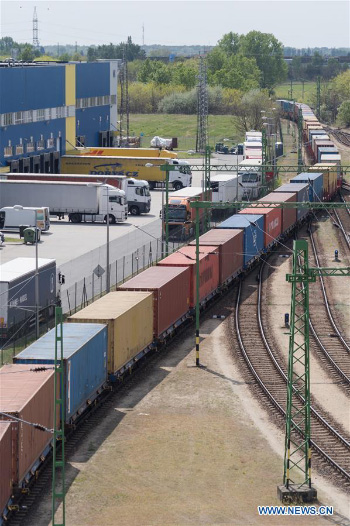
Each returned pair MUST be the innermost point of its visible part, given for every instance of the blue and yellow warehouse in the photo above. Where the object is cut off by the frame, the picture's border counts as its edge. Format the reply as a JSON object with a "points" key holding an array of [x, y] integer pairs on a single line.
{"points": [[48, 109]]}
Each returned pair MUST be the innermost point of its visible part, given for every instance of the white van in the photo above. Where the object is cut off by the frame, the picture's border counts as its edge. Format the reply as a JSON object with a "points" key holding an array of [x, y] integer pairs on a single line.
{"points": [[11, 217]]}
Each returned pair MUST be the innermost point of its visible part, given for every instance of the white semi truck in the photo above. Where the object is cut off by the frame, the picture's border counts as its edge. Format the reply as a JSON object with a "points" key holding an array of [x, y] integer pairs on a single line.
{"points": [[80, 201], [137, 191]]}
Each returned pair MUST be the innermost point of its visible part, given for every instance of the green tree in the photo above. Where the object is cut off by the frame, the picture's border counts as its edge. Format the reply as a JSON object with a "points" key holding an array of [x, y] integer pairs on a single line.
{"points": [[248, 112], [344, 113], [268, 53], [27, 53], [341, 84], [65, 57], [185, 73], [238, 73]]}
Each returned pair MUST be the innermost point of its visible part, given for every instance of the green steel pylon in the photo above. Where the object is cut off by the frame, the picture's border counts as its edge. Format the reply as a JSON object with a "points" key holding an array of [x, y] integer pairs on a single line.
{"points": [[207, 186], [58, 495], [297, 471], [264, 161], [300, 140], [297, 454]]}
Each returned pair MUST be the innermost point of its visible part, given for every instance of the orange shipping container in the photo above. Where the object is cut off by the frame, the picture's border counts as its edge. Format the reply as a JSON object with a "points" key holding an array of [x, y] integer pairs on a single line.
{"points": [[272, 222], [170, 287], [230, 243], [208, 269], [27, 395], [5, 463], [289, 215]]}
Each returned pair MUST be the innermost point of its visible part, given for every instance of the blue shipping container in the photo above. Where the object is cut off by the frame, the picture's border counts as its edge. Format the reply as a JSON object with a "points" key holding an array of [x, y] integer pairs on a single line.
{"points": [[315, 181], [85, 362], [253, 235], [302, 191], [329, 150]]}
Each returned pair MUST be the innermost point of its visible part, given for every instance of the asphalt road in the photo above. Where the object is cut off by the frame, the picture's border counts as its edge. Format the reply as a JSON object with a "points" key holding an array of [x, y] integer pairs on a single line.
{"points": [[79, 248]]}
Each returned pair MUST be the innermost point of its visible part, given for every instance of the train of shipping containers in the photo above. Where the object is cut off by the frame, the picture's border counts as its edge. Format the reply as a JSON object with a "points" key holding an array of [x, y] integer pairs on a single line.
{"points": [[253, 236], [302, 195], [334, 159], [208, 269], [6, 465], [272, 222], [289, 215], [129, 317], [321, 143], [317, 136], [230, 244], [85, 363], [315, 181], [27, 395], [329, 178], [170, 287], [326, 150]]}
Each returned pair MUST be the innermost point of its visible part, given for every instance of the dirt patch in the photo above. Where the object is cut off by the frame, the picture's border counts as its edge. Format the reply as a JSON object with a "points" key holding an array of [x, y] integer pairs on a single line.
{"points": [[193, 448]]}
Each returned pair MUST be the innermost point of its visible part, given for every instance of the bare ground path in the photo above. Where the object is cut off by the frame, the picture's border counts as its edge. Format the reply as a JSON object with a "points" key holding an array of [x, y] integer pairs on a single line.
{"points": [[182, 446]]}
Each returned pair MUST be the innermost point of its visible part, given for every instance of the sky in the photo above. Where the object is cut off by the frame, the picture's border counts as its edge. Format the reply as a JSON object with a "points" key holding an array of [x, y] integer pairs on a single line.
{"points": [[296, 23]]}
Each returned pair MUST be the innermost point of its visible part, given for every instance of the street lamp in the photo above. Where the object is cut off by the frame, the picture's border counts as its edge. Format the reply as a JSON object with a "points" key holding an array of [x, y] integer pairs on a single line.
{"points": [[19, 207], [107, 246], [165, 167]]}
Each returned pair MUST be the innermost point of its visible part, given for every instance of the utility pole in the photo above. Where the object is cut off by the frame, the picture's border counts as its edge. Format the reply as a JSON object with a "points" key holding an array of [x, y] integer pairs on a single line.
{"points": [[300, 139], [207, 185], [318, 97], [76, 46], [202, 107], [264, 160], [35, 30], [291, 89], [143, 34], [58, 495], [297, 482], [124, 112]]}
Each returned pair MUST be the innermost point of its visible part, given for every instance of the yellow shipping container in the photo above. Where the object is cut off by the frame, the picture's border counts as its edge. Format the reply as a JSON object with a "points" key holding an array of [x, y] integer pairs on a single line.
{"points": [[129, 316], [329, 177]]}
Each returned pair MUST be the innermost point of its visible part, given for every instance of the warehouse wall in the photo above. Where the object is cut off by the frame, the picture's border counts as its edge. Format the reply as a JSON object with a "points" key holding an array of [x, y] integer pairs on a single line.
{"points": [[47, 107]]}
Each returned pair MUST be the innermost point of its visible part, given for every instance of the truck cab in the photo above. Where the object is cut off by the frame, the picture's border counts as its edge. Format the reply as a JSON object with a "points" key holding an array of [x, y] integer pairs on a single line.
{"points": [[138, 196], [251, 172], [181, 217]]}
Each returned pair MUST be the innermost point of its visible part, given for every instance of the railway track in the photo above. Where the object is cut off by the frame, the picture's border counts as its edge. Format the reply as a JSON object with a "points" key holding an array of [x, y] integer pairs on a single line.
{"points": [[331, 448], [342, 137], [326, 340]]}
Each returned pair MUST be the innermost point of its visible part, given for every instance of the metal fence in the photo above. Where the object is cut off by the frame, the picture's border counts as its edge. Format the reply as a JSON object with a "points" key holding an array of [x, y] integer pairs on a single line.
{"points": [[84, 291]]}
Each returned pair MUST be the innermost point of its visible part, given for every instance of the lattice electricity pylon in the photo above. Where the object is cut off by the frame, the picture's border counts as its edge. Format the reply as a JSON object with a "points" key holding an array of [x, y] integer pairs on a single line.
{"points": [[124, 111], [202, 108], [35, 29], [297, 456], [58, 495]]}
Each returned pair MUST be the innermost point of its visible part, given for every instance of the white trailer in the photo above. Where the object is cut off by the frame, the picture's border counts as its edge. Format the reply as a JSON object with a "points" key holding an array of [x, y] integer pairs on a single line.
{"points": [[80, 201], [226, 187]]}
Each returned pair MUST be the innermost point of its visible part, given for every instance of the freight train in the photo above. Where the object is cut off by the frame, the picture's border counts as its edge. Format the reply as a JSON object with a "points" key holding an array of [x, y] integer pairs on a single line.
{"points": [[320, 149], [109, 337]]}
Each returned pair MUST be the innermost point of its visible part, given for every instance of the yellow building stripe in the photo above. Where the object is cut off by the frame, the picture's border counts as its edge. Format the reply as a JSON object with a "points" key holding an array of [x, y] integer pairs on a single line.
{"points": [[70, 101]]}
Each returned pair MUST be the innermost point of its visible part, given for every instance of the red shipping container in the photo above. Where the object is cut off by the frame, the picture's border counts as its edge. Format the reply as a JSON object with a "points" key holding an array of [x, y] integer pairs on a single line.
{"points": [[27, 395], [171, 289], [5, 464], [208, 269], [230, 243], [272, 222], [289, 215]]}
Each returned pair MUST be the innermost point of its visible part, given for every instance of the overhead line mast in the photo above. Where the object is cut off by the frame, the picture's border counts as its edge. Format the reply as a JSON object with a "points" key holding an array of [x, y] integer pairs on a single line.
{"points": [[35, 30], [202, 107]]}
